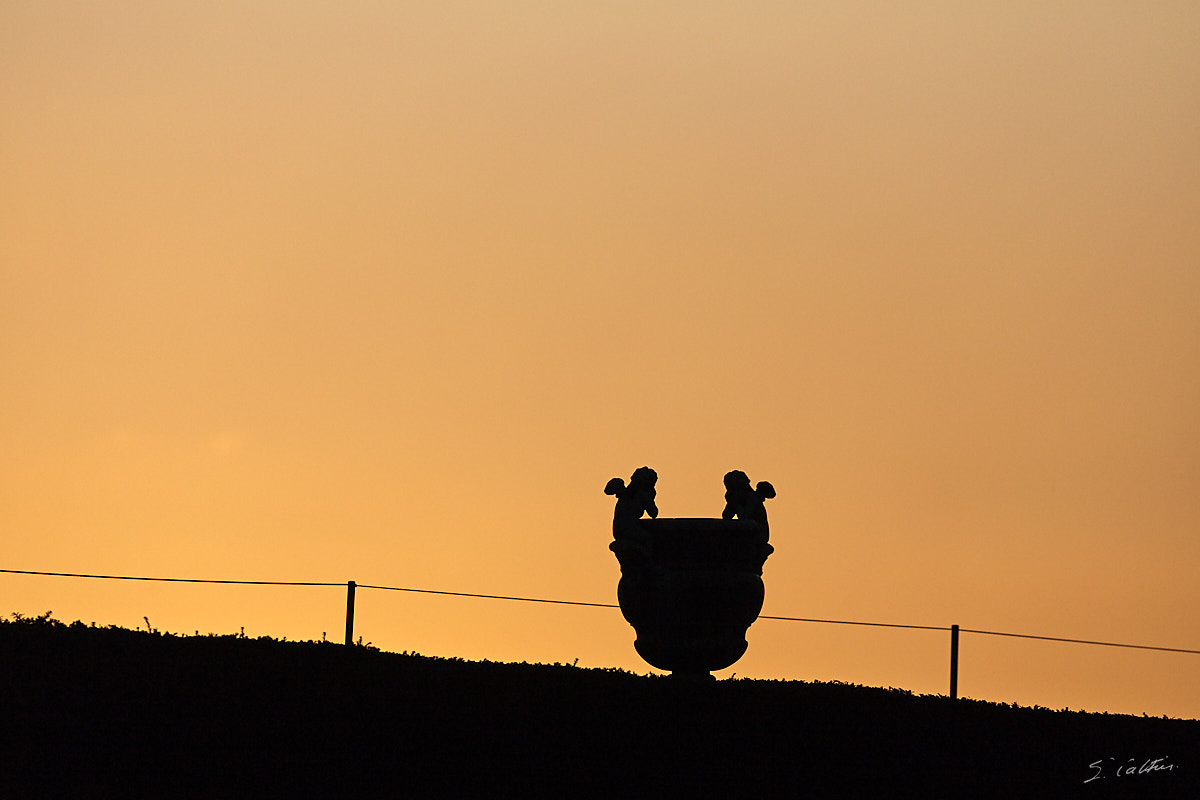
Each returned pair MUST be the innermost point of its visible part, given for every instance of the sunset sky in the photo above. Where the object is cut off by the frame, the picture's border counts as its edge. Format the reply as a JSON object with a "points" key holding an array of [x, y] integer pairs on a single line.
{"points": [[387, 291]]}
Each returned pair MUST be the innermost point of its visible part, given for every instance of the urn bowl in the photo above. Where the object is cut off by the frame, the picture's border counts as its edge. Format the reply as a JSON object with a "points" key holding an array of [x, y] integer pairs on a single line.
{"points": [[691, 588]]}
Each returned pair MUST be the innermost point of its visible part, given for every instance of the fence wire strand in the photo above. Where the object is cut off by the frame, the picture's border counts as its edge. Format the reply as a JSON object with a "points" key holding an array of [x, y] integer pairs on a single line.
{"points": [[487, 596], [851, 622], [169, 580], [595, 605], [1080, 641]]}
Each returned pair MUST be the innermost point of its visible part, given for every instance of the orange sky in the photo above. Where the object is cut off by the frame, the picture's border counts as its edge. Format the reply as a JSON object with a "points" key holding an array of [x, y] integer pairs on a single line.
{"points": [[387, 292]]}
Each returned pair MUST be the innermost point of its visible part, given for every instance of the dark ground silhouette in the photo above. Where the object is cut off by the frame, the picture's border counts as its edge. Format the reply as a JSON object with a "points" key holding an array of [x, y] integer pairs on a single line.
{"points": [[96, 712]]}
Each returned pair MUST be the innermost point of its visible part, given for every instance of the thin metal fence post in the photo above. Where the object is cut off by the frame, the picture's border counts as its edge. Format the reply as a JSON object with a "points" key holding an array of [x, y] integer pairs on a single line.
{"points": [[349, 613], [953, 662]]}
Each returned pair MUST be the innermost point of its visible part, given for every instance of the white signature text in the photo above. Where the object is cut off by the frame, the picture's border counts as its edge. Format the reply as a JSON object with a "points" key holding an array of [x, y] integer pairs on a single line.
{"points": [[1129, 767]]}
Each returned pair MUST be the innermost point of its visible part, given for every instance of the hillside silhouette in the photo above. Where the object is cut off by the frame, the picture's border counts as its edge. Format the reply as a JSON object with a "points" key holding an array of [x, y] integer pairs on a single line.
{"points": [[91, 711]]}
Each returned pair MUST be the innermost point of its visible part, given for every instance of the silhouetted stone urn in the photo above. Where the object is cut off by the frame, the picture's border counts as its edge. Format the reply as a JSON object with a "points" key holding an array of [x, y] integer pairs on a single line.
{"points": [[689, 587]]}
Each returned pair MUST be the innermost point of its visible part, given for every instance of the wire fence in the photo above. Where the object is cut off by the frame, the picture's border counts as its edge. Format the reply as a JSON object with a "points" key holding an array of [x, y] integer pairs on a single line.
{"points": [[352, 586]]}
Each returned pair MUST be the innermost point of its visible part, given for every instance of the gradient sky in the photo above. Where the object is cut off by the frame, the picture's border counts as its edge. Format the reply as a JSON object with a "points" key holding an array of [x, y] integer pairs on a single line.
{"points": [[388, 291]]}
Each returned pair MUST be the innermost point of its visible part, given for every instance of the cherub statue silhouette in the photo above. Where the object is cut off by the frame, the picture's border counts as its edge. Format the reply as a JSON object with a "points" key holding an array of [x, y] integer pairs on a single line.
{"points": [[745, 503], [633, 500]]}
